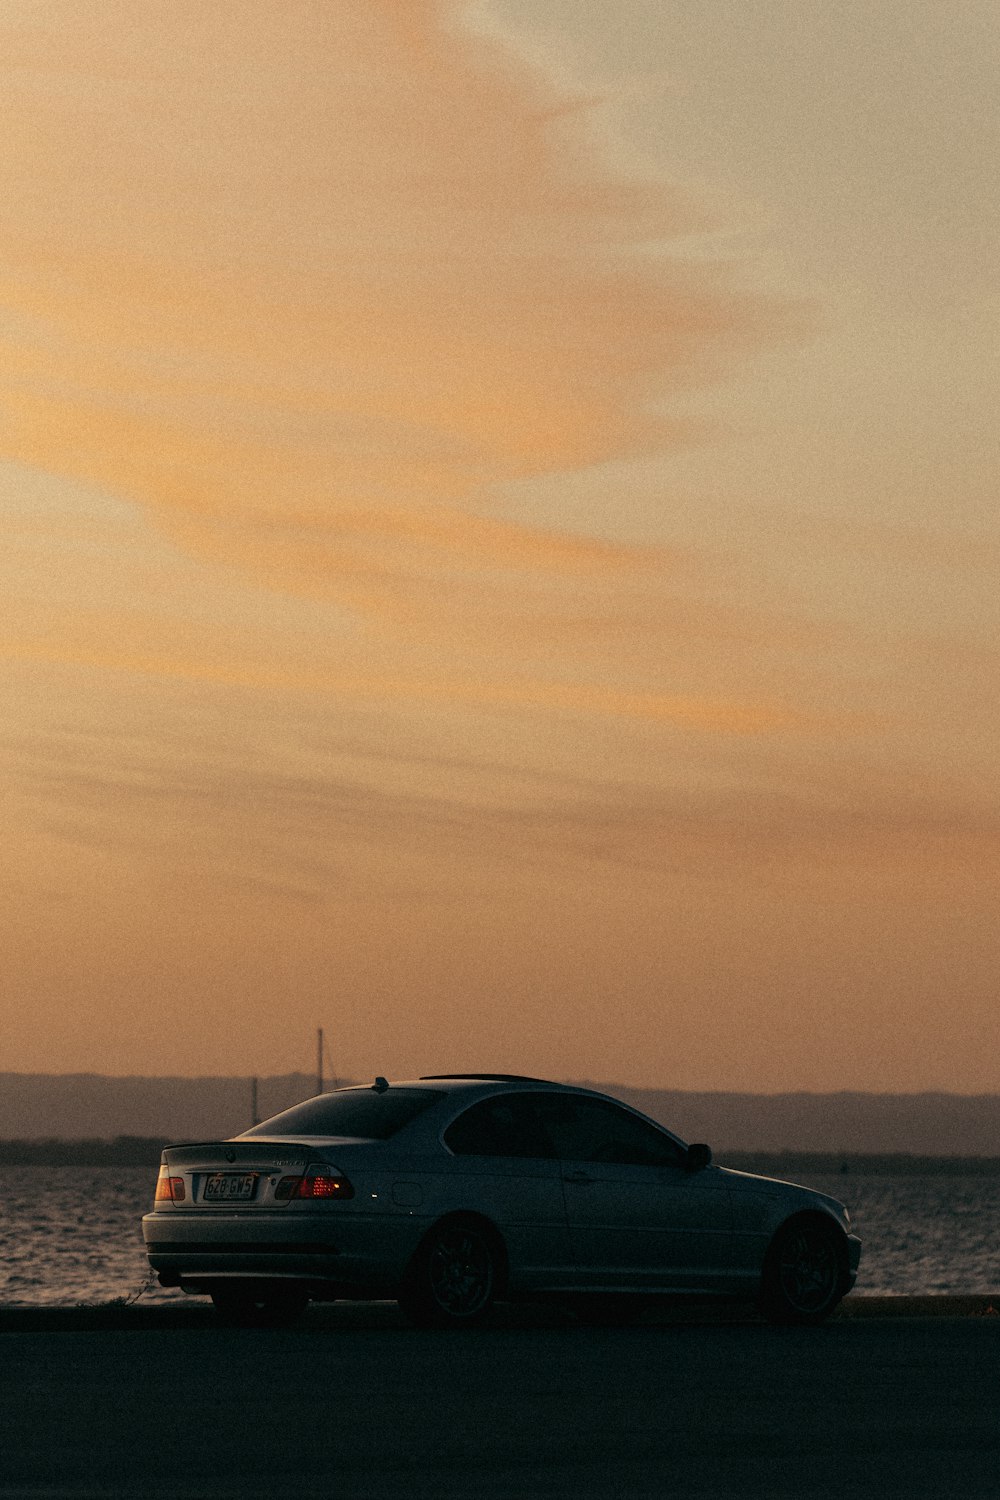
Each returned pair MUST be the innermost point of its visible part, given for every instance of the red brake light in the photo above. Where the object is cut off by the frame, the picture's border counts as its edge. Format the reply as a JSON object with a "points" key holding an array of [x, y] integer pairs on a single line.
{"points": [[321, 1183], [322, 1187], [168, 1189]]}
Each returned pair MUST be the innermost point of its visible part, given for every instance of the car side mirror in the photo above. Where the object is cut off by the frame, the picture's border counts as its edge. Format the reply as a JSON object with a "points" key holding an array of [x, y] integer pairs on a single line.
{"points": [[699, 1156]]}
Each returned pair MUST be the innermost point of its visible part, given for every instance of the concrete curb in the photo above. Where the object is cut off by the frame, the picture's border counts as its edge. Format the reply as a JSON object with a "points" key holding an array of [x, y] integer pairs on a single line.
{"points": [[197, 1313]]}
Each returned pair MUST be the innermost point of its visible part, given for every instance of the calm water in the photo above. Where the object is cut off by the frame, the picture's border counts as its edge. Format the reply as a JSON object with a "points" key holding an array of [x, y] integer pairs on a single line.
{"points": [[71, 1235]]}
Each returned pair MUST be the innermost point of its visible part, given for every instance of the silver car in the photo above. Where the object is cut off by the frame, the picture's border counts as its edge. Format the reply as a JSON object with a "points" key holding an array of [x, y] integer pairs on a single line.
{"points": [[449, 1192]]}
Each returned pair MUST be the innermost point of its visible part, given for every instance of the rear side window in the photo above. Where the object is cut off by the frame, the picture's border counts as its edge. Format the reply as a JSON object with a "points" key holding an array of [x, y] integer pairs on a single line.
{"points": [[352, 1112]]}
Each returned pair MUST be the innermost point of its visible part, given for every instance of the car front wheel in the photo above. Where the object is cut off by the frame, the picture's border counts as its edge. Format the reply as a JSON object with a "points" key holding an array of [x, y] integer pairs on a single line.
{"points": [[454, 1277], [803, 1276]]}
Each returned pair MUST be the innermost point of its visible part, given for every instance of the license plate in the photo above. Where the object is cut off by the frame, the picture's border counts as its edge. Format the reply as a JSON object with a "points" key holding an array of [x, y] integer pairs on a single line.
{"points": [[230, 1187]]}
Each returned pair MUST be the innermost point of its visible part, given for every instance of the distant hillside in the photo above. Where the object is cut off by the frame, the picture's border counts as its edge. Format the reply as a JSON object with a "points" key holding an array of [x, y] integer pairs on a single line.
{"points": [[917, 1124], [89, 1106], [73, 1106], [123, 1151]]}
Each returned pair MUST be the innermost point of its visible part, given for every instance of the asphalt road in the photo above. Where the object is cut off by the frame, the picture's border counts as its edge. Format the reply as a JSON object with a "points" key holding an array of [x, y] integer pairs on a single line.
{"points": [[353, 1403]]}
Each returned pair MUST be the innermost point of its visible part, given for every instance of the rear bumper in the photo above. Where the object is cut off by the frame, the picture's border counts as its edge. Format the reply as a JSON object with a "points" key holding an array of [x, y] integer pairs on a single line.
{"points": [[352, 1251]]}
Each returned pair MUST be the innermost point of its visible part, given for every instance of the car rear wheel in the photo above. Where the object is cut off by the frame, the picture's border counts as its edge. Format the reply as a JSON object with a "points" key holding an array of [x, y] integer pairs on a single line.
{"points": [[454, 1277], [803, 1276], [258, 1306]]}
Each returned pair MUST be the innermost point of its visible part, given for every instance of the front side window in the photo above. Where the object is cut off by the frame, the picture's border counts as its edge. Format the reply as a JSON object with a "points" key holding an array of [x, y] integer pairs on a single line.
{"points": [[359, 1113], [598, 1130]]}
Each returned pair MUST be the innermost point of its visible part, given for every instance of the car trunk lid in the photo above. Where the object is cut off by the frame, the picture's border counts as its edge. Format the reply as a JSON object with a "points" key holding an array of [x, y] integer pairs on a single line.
{"points": [[237, 1175]]}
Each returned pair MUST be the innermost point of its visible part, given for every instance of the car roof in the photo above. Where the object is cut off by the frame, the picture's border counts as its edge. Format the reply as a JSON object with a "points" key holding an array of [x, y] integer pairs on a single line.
{"points": [[481, 1078], [455, 1082], [454, 1092]]}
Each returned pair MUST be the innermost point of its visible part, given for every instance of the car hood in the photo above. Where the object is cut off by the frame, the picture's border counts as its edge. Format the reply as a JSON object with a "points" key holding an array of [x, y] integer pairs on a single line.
{"points": [[778, 1188]]}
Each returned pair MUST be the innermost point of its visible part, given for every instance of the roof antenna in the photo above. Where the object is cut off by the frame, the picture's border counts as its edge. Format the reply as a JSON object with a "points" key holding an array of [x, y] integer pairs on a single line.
{"points": [[380, 1085]]}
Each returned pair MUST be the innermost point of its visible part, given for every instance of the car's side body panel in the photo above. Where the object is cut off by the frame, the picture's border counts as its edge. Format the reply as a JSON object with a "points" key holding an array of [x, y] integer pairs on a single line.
{"points": [[761, 1205], [642, 1227], [522, 1198]]}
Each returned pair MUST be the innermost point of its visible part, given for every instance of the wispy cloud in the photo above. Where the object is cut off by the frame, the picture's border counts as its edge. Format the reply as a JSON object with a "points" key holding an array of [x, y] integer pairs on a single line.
{"points": [[313, 324]]}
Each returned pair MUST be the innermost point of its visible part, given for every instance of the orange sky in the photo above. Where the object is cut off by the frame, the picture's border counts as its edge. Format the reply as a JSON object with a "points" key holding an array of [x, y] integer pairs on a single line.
{"points": [[500, 540]]}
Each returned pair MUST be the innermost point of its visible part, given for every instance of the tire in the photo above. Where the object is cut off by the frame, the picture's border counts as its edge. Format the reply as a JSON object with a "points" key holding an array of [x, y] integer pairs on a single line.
{"points": [[454, 1278], [803, 1278], [259, 1306]]}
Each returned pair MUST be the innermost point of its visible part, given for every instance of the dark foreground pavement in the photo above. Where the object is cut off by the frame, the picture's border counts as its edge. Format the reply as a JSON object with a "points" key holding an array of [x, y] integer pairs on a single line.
{"points": [[162, 1403]]}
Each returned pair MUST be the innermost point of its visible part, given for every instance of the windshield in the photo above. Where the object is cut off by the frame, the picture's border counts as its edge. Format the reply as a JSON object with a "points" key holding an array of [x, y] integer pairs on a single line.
{"points": [[351, 1112]]}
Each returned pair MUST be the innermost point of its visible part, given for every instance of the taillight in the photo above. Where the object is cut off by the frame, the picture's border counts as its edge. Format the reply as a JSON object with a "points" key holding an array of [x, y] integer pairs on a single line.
{"points": [[168, 1189], [316, 1182]]}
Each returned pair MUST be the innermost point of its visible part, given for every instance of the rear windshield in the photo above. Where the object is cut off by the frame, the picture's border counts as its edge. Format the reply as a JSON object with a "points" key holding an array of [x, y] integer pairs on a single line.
{"points": [[355, 1112]]}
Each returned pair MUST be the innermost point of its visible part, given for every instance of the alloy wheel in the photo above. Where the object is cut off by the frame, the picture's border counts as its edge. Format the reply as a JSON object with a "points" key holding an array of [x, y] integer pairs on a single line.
{"points": [[460, 1272], [808, 1270]]}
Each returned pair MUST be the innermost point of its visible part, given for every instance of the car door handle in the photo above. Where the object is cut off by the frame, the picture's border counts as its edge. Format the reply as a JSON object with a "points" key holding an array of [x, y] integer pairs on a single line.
{"points": [[578, 1177]]}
